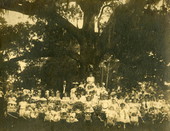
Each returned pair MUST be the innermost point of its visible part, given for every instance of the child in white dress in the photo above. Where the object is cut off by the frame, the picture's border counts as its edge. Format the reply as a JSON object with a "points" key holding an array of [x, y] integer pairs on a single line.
{"points": [[71, 118], [111, 116], [57, 115], [123, 118]]}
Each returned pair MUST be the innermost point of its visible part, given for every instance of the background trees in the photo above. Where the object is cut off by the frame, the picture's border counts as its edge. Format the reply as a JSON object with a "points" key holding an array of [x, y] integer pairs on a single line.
{"points": [[57, 47], [140, 33]]}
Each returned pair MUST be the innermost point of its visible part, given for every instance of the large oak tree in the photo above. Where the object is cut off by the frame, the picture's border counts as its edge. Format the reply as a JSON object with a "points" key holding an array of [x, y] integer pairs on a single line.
{"points": [[133, 34]]}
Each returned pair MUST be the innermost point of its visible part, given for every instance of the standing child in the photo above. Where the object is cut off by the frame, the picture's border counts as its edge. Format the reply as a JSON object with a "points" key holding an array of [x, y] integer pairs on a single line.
{"points": [[134, 116], [111, 116], [123, 118], [88, 110], [22, 107]]}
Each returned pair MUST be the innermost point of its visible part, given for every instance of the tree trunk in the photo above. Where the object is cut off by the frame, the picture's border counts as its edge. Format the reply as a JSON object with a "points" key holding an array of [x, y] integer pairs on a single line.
{"points": [[87, 48], [86, 59], [2, 100]]}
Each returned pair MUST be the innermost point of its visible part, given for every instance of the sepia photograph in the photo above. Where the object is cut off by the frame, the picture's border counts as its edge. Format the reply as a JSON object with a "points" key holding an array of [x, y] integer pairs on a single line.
{"points": [[84, 65]]}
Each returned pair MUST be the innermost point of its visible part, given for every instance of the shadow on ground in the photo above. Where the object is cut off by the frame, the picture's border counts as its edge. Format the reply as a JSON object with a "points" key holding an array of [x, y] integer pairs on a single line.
{"points": [[11, 124]]}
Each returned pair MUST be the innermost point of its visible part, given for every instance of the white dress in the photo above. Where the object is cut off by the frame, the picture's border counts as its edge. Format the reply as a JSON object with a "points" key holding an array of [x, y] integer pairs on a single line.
{"points": [[34, 113], [56, 116], [48, 116], [72, 118], [124, 116], [90, 80], [134, 115], [28, 112], [112, 114], [88, 107], [72, 93], [105, 104], [23, 105], [47, 93]]}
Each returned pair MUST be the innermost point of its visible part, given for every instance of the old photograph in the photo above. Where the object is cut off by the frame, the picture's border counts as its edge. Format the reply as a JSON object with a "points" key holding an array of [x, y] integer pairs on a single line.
{"points": [[84, 65]]}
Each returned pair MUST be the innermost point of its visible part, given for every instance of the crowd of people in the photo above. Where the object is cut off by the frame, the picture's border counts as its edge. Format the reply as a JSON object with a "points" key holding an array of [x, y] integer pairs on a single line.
{"points": [[88, 101]]}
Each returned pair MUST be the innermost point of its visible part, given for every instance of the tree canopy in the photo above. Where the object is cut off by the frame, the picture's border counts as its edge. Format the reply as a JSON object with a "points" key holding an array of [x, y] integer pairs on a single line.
{"points": [[134, 35]]}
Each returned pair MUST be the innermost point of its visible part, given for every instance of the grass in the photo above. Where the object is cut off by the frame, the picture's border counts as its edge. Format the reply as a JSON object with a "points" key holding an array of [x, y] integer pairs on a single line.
{"points": [[12, 124]]}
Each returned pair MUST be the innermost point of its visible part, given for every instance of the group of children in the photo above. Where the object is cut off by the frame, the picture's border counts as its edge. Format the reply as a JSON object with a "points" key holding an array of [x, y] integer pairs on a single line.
{"points": [[86, 102]]}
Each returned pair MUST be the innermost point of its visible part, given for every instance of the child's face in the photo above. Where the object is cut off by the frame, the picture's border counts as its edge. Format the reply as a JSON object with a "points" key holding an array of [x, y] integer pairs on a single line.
{"points": [[122, 107], [78, 96], [64, 106], [113, 101], [57, 109], [88, 98], [127, 100], [134, 101], [29, 108], [106, 97]]}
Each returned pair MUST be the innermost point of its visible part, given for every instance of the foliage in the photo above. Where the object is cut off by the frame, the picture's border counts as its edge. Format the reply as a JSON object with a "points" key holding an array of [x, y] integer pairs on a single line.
{"points": [[139, 35], [55, 50]]}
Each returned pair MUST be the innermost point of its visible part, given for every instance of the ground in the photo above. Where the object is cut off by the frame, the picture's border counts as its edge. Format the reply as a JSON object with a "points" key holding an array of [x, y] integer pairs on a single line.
{"points": [[12, 124]]}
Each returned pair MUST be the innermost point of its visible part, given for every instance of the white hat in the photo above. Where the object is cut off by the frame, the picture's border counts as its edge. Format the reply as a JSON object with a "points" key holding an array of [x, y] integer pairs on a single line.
{"points": [[75, 83], [43, 99]]}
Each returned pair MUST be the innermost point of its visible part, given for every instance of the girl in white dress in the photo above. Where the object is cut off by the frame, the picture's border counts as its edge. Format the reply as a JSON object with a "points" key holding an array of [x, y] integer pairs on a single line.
{"points": [[123, 118], [111, 116], [57, 115], [64, 111], [48, 115], [71, 118], [35, 113], [22, 107], [28, 111], [134, 107], [134, 116]]}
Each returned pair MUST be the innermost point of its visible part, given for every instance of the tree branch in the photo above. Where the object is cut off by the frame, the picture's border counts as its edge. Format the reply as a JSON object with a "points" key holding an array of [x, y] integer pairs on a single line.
{"points": [[63, 52], [41, 11]]}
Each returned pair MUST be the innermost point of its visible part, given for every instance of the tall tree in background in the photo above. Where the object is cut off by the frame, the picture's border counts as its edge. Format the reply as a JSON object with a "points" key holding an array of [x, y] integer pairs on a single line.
{"points": [[141, 34], [134, 34]]}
